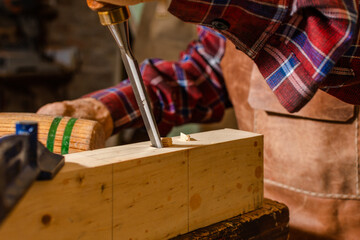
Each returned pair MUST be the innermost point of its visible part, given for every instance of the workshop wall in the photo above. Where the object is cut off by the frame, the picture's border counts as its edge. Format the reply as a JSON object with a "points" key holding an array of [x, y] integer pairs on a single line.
{"points": [[156, 32], [73, 35], [78, 26]]}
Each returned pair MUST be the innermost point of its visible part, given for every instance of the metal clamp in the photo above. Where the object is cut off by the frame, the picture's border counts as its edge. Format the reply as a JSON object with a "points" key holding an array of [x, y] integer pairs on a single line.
{"points": [[23, 160]]}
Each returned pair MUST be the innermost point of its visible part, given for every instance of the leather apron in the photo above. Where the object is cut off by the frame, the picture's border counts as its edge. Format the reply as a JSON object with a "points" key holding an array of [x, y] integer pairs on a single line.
{"points": [[311, 158]]}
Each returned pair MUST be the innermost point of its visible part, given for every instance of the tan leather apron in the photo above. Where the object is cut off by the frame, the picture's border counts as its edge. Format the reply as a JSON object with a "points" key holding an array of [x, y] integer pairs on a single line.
{"points": [[311, 157]]}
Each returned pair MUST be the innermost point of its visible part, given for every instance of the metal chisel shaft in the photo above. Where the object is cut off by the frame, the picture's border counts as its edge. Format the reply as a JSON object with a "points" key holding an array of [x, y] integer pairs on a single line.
{"points": [[119, 31], [116, 20]]}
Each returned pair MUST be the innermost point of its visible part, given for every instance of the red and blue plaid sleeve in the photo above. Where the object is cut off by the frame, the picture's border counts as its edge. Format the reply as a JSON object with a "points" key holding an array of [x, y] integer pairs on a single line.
{"points": [[298, 45], [189, 90], [304, 53]]}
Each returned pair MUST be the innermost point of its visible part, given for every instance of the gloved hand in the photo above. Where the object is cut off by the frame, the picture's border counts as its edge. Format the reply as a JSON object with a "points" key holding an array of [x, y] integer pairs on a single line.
{"points": [[86, 108]]}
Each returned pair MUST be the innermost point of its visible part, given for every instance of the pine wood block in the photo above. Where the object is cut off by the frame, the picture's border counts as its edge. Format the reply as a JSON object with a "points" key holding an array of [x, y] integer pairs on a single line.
{"points": [[76, 204], [150, 197], [139, 192], [227, 183]]}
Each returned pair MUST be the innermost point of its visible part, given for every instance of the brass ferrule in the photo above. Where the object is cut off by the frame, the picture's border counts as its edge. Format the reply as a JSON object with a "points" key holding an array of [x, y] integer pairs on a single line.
{"points": [[114, 16]]}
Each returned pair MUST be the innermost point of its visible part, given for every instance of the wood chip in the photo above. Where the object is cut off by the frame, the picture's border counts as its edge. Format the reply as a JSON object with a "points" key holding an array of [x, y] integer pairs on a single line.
{"points": [[166, 141], [184, 137]]}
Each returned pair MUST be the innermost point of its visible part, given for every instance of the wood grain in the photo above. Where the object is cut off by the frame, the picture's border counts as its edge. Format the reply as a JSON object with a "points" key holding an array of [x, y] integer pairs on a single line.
{"points": [[140, 192], [224, 178]]}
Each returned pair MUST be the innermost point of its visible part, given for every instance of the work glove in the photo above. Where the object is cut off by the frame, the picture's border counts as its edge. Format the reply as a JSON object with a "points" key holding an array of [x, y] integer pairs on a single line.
{"points": [[85, 108]]}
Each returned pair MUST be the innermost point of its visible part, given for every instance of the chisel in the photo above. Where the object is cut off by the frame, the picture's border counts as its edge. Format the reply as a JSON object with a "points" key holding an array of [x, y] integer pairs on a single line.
{"points": [[116, 19]]}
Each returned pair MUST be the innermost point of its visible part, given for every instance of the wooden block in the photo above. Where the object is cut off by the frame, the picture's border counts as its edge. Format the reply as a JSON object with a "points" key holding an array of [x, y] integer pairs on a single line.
{"points": [[139, 192], [150, 197], [76, 204], [232, 176]]}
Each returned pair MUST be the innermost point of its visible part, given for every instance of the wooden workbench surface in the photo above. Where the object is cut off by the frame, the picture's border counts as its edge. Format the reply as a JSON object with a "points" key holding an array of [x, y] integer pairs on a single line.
{"points": [[269, 222]]}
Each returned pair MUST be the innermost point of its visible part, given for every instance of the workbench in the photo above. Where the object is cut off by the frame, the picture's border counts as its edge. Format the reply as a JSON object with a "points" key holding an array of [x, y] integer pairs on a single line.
{"points": [[270, 222]]}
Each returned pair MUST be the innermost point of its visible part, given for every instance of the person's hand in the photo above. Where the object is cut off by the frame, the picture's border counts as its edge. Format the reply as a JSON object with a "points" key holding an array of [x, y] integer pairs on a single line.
{"points": [[94, 4], [86, 108]]}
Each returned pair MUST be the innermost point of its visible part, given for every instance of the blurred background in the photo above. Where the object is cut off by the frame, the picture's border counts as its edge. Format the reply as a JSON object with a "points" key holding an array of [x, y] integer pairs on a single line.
{"points": [[54, 50]]}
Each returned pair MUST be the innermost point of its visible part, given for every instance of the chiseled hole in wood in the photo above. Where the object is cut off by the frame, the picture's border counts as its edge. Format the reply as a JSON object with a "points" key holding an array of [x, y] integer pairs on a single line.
{"points": [[46, 219], [103, 186], [255, 144]]}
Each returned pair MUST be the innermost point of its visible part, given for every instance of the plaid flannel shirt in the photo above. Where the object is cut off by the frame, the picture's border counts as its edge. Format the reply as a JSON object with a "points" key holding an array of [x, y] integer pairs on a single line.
{"points": [[299, 47], [191, 89]]}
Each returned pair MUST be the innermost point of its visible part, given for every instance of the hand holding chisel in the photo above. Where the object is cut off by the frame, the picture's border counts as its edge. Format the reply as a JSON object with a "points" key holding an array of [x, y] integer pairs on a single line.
{"points": [[116, 18]]}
